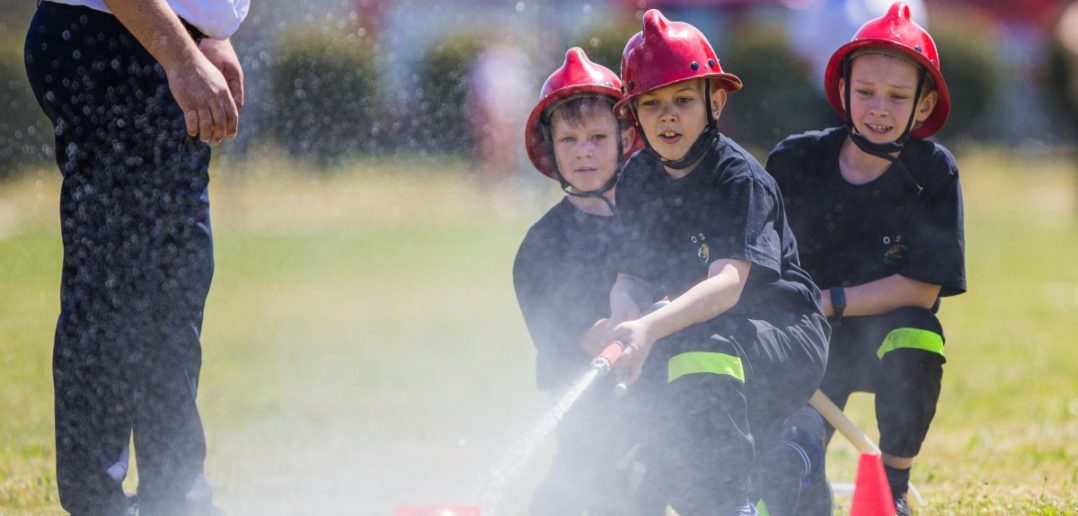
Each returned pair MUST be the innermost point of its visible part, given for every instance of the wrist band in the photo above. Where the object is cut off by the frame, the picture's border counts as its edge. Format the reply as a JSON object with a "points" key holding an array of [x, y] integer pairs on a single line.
{"points": [[838, 301]]}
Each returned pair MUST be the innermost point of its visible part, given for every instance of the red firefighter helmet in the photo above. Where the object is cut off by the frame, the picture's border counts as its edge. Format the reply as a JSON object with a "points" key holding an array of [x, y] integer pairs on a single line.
{"points": [[665, 53], [895, 31], [577, 75]]}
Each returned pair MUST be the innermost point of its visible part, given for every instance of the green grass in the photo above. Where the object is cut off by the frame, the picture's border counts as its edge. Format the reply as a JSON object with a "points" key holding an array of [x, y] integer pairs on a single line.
{"points": [[363, 348]]}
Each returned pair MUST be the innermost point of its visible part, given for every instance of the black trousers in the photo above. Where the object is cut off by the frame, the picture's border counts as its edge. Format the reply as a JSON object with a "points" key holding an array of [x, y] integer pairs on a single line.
{"points": [[886, 354], [138, 259], [708, 431]]}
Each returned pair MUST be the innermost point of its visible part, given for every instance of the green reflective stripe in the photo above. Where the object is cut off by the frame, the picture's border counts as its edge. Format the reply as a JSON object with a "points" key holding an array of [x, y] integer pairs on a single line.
{"points": [[761, 509], [704, 362], [913, 338]]}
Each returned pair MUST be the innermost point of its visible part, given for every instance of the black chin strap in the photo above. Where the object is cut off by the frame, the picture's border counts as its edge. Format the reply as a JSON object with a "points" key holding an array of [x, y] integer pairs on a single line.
{"points": [[699, 147], [887, 150]]}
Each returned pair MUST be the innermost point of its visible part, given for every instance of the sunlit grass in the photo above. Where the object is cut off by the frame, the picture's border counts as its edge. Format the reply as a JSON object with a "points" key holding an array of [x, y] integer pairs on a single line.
{"points": [[363, 347]]}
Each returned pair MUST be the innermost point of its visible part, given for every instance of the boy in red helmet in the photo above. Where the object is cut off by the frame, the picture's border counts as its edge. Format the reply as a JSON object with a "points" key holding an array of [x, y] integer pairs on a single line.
{"points": [[742, 343], [877, 210], [563, 278]]}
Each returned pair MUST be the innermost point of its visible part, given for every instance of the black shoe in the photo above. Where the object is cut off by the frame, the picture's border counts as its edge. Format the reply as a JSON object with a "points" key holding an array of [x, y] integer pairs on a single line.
{"points": [[132, 505], [902, 505]]}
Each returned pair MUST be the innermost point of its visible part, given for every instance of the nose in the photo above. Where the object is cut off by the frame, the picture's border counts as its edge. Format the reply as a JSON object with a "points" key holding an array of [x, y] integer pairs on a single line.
{"points": [[585, 149], [668, 112], [667, 115], [877, 108]]}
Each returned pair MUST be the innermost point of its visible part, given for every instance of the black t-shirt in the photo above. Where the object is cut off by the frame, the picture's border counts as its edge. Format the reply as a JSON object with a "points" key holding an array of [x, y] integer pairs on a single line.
{"points": [[852, 234], [563, 275], [727, 207]]}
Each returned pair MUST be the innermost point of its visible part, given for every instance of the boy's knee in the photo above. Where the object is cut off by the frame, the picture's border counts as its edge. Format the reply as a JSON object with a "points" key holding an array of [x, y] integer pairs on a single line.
{"points": [[805, 433]]}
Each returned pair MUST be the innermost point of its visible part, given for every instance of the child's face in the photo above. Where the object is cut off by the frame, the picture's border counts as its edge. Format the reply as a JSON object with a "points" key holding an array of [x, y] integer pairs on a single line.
{"points": [[674, 116], [882, 96], [586, 152]]}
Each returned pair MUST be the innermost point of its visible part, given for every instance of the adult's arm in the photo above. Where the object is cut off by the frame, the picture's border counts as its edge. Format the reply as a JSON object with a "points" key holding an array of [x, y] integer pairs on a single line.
{"points": [[199, 88]]}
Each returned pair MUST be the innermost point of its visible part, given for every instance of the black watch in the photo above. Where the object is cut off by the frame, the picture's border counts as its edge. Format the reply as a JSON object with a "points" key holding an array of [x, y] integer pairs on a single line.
{"points": [[838, 302]]}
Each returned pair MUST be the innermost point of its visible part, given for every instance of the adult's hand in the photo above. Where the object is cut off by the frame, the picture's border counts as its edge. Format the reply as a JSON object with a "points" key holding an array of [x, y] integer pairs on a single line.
{"points": [[203, 94], [223, 57], [197, 85]]}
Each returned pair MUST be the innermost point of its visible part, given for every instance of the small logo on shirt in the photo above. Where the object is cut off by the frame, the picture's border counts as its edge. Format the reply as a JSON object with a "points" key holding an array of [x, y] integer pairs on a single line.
{"points": [[703, 252], [895, 248]]}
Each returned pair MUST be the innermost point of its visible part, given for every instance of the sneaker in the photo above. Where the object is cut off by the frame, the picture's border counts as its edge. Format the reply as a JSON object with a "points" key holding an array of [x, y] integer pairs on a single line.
{"points": [[132, 505], [902, 505]]}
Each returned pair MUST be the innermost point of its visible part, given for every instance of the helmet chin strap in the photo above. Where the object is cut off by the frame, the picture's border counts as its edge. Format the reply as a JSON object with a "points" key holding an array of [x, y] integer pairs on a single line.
{"points": [[699, 147], [884, 150]]}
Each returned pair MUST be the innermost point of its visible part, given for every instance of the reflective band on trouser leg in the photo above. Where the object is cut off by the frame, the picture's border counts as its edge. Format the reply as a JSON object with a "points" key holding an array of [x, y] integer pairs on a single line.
{"points": [[704, 362], [913, 338]]}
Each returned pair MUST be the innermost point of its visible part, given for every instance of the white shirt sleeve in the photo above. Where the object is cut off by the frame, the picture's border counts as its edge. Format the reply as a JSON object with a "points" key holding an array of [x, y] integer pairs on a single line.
{"points": [[215, 18]]}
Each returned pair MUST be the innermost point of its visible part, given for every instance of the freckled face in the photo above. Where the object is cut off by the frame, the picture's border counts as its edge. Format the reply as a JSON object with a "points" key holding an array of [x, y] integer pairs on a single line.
{"points": [[881, 98]]}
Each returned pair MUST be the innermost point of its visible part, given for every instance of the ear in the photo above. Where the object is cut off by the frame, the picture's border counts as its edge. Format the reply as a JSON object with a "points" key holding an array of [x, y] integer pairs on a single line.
{"points": [[718, 101], [627, 136], [927, 104], [842, 93]]}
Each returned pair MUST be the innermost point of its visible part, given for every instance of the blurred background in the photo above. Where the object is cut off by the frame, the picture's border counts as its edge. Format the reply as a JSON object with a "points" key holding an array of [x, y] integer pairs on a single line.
{"points": [[331, 79], [362, 344]]}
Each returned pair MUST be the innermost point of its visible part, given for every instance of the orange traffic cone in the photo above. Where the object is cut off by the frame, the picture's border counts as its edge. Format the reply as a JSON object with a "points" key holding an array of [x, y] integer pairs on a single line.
{"points": [[871, 494]]}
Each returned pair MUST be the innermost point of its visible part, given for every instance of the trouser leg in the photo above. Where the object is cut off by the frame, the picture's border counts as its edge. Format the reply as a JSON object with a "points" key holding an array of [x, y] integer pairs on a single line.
{"points": [[92, 410], [787, 366], [899, 357], [700, 450], [169, 439], [909, 379]]}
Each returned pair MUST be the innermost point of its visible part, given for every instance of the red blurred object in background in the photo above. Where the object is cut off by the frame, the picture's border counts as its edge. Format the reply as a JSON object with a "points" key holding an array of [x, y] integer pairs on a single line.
{"points": [[437, 510]]}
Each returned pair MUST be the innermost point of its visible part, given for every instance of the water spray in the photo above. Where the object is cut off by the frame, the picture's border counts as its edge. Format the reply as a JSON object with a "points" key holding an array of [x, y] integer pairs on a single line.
{"points": [[493, 492]]}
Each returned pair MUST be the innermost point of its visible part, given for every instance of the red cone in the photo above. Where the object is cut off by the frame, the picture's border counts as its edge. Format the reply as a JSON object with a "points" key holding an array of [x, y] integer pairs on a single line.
{"points": [[871, 494]]}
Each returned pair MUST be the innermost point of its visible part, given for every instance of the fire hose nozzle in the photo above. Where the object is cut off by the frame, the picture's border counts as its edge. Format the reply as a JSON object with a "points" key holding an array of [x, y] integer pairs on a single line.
{"points": [[604, 361]]}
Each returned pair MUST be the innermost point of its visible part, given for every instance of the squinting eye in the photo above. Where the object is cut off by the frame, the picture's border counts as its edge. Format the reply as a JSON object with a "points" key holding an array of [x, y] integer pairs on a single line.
{"points": [[684, 100], [567, 139], [649, 102]]}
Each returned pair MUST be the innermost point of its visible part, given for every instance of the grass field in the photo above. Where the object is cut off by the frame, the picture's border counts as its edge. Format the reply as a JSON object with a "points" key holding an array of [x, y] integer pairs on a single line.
{"points": [[363, 348]]}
